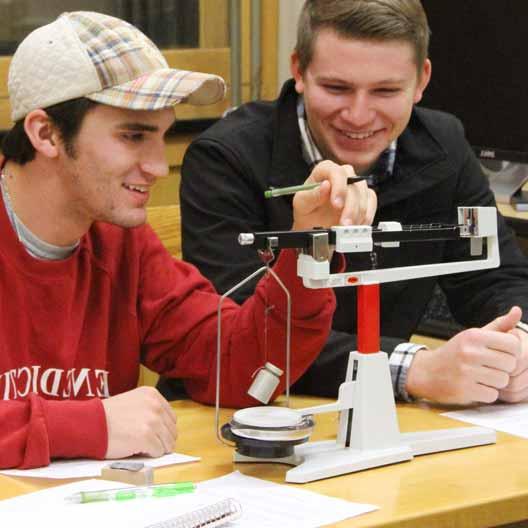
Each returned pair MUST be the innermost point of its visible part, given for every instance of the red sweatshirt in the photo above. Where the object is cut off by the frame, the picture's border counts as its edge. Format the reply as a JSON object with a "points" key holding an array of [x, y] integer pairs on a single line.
{"points": [[75, 331]]}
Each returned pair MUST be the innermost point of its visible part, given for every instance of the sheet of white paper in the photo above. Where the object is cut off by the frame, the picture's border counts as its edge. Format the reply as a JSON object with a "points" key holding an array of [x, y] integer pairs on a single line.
{"points": [[82, 468], [269, 505], [49, 508], [264, 505], [509, 418]]}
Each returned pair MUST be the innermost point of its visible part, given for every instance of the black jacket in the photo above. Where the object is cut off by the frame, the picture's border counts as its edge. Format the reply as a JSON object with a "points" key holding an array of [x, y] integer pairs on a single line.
{"points": [[227, 169]]}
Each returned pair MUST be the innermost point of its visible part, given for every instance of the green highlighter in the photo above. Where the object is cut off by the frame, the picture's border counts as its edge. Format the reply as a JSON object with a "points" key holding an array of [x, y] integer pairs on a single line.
{"points": [[124, 494]]}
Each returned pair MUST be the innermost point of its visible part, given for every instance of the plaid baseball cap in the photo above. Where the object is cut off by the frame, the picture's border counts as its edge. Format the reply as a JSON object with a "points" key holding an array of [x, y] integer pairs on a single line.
{"points": [[103, 58]]}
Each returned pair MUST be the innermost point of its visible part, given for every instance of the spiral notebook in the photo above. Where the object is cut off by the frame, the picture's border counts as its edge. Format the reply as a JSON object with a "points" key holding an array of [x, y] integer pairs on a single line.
{"points": [[217, 514]]}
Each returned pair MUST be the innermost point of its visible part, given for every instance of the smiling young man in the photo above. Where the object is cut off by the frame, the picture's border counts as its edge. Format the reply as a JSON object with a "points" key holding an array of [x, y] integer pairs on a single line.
{"points": [[359, 68], [88, 290], [355, 113]]}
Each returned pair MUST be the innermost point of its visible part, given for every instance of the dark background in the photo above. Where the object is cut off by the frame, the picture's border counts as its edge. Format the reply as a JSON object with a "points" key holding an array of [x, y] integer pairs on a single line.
{"points": [[479, 55]]}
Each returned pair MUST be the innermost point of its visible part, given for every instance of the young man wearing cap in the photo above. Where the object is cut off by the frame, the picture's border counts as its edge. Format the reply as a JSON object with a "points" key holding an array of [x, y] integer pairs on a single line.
{"points": [[359, 68], [88, 291]]}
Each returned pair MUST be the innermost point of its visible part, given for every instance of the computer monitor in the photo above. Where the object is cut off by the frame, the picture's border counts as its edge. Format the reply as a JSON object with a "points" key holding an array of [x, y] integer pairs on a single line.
{"points": [[479, 55]]}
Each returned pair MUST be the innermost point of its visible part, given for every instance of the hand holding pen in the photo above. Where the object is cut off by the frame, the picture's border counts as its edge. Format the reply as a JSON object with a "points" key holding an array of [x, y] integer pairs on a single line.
{"points": [[331, 200]]}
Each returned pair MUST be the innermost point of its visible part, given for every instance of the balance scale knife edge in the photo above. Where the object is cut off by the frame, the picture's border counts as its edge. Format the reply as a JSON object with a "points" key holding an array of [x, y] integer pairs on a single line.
{"points": [[368, 434]]}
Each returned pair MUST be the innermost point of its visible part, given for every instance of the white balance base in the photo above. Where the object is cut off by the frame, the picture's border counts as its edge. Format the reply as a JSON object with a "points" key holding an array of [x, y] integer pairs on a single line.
{"points": [[325, 459], [368, 433], [320, 460]]}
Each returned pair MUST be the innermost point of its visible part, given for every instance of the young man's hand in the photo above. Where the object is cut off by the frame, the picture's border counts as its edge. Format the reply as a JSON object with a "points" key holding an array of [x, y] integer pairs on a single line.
{"points": [[333, 202], [479, 365], [517, 388], [139, 421]]}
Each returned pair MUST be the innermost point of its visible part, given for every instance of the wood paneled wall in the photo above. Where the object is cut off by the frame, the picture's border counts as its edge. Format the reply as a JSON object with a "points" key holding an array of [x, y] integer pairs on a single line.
{"points": [[213, 56]]}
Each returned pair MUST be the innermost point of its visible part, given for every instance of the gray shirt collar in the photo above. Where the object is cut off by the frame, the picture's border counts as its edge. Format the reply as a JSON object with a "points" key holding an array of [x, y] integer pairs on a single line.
{"points": [[34, 245]]}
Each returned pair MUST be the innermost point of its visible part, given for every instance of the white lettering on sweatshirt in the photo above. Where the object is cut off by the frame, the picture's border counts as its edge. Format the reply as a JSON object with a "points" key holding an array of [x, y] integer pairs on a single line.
{"points": [[83, 382]]}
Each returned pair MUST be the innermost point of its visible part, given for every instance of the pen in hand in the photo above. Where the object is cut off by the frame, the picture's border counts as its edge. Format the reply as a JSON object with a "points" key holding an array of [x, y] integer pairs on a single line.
{"points": [[283, 191], [123, 494]]}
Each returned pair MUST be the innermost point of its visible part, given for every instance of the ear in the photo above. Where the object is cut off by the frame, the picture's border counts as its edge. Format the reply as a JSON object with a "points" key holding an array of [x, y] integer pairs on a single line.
{"points": [[423, 81], [42, 133], [296, 73]]}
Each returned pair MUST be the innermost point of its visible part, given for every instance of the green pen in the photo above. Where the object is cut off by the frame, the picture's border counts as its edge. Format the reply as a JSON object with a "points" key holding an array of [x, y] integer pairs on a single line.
{"points": [[124, 494], [283, 191]]}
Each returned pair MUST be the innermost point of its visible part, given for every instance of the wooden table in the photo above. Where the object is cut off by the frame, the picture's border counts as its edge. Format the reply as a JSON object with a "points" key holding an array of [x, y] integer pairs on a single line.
{"points": [[517, 220], [508, 211], [483, 486]]}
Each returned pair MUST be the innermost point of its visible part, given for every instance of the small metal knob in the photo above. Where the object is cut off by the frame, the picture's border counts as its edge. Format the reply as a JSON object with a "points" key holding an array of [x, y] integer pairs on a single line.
{"points": [[246, 239]]}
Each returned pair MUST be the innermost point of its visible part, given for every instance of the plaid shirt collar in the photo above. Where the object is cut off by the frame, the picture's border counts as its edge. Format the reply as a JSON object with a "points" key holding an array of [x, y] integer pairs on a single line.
{"points": [[382, 170]]}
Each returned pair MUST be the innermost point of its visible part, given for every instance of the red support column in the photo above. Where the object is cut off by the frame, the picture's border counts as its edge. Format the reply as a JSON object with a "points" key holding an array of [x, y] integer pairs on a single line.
{"points": [[368, 318]]}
